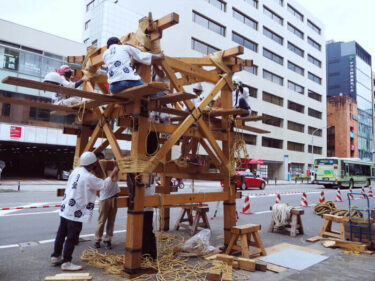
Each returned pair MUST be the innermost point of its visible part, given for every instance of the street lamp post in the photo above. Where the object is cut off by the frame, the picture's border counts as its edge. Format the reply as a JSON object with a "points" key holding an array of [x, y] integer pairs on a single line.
{"points": [[312, 143]]}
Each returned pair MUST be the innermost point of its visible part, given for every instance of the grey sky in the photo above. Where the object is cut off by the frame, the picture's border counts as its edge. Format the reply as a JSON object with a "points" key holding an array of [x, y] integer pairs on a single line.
{"points": [[345, 20]]}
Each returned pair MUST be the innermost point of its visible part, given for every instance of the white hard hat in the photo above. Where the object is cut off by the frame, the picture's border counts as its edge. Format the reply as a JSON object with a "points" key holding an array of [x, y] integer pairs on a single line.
{"points": [[87, 158], [53, 77], [198, 86], [236, 80]]}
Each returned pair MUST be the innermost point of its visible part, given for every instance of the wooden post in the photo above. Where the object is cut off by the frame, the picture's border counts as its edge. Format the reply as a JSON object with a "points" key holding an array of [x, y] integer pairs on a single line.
{"points": [[230, 204], [165, 212]]}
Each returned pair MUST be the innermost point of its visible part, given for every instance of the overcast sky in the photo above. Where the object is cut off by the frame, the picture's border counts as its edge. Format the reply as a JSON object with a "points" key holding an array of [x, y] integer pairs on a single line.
{"points": [[345, 20]]}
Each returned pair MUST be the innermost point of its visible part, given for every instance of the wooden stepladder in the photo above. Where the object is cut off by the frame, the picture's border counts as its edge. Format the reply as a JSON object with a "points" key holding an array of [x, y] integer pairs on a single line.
{"points": [[294, 226], [244, 234], [193, 222], [326, 229]]}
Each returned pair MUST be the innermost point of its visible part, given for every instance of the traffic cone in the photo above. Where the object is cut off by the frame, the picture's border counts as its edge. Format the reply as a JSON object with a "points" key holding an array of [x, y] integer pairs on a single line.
{"points": [[246, 206], [304, 200], [363, 192], [351, 195], [278, 198], [322, 197], [370, 191], [338, 195]]}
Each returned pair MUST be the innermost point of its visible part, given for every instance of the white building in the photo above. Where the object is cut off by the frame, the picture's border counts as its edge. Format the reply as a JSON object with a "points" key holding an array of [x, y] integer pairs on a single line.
{"points": [[283, 39]]}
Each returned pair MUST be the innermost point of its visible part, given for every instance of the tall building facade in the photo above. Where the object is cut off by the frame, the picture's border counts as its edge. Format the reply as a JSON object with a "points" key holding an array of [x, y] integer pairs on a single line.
{"points": [[286, 44], [349, 74], [31, 138]]}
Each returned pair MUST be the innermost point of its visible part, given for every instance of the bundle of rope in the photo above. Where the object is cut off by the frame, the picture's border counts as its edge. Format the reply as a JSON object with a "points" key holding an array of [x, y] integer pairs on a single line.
{"points": [[281, 214], [239, 145], [168, 266], [331, 208]]}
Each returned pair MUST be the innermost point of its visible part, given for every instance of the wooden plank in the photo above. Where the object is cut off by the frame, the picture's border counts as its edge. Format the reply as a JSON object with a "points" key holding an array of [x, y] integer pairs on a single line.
{"points": [[246, 264], [276, 268], [225, 112], [251, 118], [349, 245], [253, 129], [179, 66], [314, 239], [167, 21], [282, 246], [168, 110], [36, 104], [140, 91], [172, 98], [59, 89], [225, 258]]}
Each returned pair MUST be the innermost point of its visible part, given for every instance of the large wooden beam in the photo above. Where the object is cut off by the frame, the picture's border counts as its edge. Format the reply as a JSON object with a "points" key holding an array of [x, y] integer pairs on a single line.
{"points": [[59, 89]]}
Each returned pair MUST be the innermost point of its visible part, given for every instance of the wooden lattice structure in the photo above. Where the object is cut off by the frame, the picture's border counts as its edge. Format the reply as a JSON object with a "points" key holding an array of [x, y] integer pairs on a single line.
{"points": [[130, 108]]}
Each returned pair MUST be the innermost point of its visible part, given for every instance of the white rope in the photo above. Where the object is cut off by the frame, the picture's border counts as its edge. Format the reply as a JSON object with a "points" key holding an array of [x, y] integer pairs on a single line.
{"points": [[281, 214]]}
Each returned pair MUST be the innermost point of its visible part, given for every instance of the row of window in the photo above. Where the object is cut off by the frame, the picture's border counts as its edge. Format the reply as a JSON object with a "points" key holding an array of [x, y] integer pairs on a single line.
{"points": [[293, 146], [220, 29]]}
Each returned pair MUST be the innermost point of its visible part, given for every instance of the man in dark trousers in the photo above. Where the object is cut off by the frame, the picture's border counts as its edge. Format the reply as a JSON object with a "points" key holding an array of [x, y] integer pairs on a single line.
{"points": [[77, 207]]}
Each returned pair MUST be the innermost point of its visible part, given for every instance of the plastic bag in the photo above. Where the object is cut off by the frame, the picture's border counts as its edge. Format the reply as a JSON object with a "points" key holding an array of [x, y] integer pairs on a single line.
{"points": [[198, 245]]}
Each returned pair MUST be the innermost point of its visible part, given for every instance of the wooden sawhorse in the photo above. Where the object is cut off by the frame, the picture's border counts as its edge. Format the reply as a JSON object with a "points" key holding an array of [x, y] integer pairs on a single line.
{"points": [[193, 223], [326, 229], [244, 233], [296, 223]]}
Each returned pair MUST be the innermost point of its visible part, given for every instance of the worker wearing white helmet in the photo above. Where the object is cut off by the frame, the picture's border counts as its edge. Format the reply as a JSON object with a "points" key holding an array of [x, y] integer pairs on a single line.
{"points": [[239, 95], [77, 207]]}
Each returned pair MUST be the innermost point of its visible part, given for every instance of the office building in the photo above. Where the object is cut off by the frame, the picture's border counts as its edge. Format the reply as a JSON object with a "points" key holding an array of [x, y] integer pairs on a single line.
{"points": [[349, 74], [286, 43]]}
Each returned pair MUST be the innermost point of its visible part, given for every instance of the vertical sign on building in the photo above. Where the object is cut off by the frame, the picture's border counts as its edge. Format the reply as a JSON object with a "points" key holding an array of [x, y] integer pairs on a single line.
{"points": [[286, 164], [15, 132], [351, 76]]}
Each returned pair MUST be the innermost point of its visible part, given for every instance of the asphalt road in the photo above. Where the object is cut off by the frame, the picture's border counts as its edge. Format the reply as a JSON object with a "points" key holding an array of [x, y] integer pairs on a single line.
{"points": [[32, 231]]}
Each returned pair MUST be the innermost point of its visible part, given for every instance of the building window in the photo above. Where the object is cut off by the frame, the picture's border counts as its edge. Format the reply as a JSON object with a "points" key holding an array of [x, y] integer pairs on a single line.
{"points": [[202, 47], [86, 41], [295, 49], [218, 4], [296, 88], [296, 107], [280, 2], [313, 27], [333, 87], [331, 143], [9, 58], [253, 3], [90, 5], [273, 15], [296, 127], [314, 113], [253, 92], [272, 35], [273, 143], [250, 139], [273, 99], [273, 77], [272, 56], [296, 146], [295, 31], [252, 69], [315, 61], [208, 23], [5, 109], [95, 42], [332, 74], [314, 95], [317, 149], [314, 78], [273, 121], [245, 19], [247, 43], [318, 132], [296, 68], [295, 13], [314, 43], [87, 24]]}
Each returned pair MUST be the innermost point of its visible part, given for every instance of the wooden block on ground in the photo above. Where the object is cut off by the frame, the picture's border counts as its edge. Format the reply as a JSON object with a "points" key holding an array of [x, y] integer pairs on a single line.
{"points": [[260, 265], [275, 268], [235, 264], [69, 276], [214, 275], [314, 239], [225, 258], [227, 276], [349, 245], [246, 264]]}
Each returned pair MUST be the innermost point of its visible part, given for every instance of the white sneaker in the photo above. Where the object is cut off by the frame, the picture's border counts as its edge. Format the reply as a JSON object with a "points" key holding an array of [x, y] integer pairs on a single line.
{"points": [[68, 266], [56, 260]]}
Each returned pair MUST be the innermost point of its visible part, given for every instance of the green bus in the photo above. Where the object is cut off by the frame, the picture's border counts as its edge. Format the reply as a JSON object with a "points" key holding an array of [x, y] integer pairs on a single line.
{"points": [[343, 172]]}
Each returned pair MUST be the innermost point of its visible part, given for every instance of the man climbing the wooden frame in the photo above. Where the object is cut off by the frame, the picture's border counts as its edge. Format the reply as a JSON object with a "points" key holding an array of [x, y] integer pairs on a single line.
{"points": [[239, 100], [117, 59]]}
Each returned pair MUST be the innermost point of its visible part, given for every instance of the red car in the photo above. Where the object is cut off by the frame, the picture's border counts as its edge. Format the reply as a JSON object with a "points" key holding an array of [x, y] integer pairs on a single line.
{"points": [[250, 181]]}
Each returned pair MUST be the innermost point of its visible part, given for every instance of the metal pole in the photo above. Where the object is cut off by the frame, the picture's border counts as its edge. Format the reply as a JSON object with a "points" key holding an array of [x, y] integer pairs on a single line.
{"points": [[19, 186]]}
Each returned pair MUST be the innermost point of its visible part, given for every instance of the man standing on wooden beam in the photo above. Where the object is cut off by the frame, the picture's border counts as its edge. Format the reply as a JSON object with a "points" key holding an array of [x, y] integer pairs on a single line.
{"points": [[239, 100], [117, 59]]}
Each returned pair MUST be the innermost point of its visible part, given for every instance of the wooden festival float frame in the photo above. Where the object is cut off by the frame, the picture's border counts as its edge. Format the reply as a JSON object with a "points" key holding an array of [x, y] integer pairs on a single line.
{"points": [[131, 107]]}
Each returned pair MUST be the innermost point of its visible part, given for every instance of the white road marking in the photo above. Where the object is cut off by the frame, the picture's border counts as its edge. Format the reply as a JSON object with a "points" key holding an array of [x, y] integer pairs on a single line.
{"points": [[53, 240]]}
